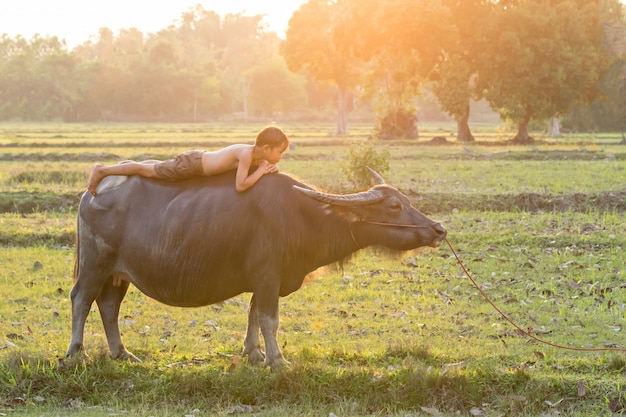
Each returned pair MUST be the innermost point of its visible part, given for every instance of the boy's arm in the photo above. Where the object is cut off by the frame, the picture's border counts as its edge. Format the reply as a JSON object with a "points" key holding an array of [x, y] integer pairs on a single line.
{"points": [[243, 181]]}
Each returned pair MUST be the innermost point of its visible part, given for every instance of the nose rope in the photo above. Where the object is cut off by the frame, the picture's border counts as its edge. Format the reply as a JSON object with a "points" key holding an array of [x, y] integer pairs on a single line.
{"points": [[413, 226]]}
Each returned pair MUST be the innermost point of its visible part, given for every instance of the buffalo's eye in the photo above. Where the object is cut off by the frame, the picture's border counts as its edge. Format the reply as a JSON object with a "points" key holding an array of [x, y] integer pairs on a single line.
{"points": [[395, 206]]}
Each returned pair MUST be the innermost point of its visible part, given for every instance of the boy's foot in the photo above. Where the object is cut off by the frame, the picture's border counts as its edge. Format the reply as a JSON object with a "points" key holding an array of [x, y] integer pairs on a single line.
{"points": [[94, 179]]}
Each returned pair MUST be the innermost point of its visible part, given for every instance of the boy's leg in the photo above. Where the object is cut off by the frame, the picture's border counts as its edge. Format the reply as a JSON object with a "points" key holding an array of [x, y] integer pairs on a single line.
{"points": [[127, 168]]}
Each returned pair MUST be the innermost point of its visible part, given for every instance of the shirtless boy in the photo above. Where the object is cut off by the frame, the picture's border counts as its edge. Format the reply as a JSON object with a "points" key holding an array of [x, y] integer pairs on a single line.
{"points": [[267, 150]]}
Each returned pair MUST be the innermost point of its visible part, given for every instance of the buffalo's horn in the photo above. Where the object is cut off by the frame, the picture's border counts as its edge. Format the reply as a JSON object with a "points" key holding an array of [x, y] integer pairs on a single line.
{"points": [[376, 175], [357, 199]]}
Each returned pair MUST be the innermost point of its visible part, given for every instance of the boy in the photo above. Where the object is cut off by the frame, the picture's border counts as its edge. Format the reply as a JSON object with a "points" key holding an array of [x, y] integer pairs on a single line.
{"points": [[267, 150]]}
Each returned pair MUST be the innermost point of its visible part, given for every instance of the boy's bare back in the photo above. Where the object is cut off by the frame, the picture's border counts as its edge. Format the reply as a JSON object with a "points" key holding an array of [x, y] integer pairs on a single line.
{"points": [[227, 158]]}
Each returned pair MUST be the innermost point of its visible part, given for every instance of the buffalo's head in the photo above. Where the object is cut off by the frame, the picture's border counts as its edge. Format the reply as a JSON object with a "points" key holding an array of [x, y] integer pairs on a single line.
{"points": [[382, 216]]}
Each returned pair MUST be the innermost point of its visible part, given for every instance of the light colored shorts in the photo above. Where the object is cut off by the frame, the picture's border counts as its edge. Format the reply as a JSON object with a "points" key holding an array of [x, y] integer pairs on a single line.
{"points": [[184, 165]]}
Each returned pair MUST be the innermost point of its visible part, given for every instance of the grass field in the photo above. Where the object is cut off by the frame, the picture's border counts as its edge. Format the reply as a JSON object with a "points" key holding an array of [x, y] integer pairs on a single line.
{"points": [[540, 227]]}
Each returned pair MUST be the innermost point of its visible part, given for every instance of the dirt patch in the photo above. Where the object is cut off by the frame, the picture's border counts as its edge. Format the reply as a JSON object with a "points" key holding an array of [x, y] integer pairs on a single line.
{"points": [[528, 202]]}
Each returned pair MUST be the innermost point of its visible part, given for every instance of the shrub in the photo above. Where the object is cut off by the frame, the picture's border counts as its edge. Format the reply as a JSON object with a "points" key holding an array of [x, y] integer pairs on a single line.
{"points": [[400, 124], [362, 155]]}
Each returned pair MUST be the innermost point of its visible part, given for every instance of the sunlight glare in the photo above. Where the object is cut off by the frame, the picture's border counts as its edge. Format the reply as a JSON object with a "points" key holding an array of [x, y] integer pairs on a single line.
{"points": [[77, 20]]}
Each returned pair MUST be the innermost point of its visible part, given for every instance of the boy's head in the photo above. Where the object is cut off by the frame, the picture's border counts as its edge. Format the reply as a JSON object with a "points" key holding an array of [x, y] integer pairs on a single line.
{"points": [[272, 142], [273, 136]]}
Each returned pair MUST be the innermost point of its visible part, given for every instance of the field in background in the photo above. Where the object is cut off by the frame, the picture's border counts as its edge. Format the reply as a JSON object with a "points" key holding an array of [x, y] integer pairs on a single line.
{"points": [[539, 226]]}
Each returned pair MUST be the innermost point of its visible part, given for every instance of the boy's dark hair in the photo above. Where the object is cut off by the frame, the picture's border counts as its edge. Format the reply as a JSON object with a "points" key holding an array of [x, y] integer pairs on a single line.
{"points": [[272, 136]]}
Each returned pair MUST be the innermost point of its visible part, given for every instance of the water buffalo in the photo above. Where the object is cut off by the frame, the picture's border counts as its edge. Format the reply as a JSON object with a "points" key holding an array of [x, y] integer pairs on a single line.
{"points": [[198, 242]]}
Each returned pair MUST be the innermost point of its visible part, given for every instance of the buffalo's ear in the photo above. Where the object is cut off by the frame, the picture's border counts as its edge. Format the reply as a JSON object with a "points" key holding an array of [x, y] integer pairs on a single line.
{"points": [[348, 213]]}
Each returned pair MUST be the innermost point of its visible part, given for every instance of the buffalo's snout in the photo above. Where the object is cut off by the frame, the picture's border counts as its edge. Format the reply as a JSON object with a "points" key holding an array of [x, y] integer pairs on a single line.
{"points": [[441, 233], [440, 230]]}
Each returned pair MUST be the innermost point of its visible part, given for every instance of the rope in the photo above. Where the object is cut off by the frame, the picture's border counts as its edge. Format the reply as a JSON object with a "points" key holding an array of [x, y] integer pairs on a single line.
{"points": [[412, 226], [524, 332]]}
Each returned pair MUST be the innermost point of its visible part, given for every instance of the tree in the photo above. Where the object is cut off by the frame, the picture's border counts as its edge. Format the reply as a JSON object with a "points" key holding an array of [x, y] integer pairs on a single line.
{"points": [[538, 58], [171, 75], [39, 78], [246, 46], [118, 73], [402, 41], [16, 72], [614, 21], [310, 48], [198, 36], [452, 76], [453, 91], [276, 90]]}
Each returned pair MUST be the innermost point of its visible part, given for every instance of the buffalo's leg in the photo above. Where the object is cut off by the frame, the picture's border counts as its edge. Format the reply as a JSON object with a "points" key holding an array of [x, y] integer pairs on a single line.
{"points": [[267, 308], [82, 297], [252, 343], [109, 301]]}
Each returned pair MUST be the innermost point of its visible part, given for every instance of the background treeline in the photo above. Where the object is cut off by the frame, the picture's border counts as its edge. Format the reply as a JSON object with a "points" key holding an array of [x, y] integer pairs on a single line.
{"points": [[530, 60]]}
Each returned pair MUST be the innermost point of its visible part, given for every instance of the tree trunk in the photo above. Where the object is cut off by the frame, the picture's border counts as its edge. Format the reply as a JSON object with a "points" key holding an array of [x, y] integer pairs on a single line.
{"points": [[555, 127], [246, 91], [342, 112], [463, 132], [522, 136]]}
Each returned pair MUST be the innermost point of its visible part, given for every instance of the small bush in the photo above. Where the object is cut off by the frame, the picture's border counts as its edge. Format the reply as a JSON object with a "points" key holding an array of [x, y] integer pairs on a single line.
{"points": [[362, 155], [401, 124]]}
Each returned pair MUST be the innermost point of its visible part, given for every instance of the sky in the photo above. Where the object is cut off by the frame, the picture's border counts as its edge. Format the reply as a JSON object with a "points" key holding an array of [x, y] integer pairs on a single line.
{"points": [[77, 20]]}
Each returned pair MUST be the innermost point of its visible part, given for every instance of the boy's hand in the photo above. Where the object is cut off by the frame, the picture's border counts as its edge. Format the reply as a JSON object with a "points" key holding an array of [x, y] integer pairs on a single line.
{"points": [[269, 168]]}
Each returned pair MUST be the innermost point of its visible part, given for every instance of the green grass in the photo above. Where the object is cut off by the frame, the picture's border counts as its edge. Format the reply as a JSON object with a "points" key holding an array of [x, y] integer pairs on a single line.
{"points": [[383, 336], [540, 228]]}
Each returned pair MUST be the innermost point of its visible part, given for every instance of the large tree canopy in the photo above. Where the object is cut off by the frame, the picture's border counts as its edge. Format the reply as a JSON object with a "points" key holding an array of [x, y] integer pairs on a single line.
{"points": [[452, 76], [310, 48], [402, 42], [39, 79], [538, 58], [609, 113]]}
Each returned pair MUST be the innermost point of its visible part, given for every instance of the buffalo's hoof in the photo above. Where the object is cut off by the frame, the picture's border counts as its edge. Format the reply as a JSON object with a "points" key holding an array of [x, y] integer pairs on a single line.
{"points": [[255, 356], [76, 351], [73, 358], [277, 364], [126, 356]]}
